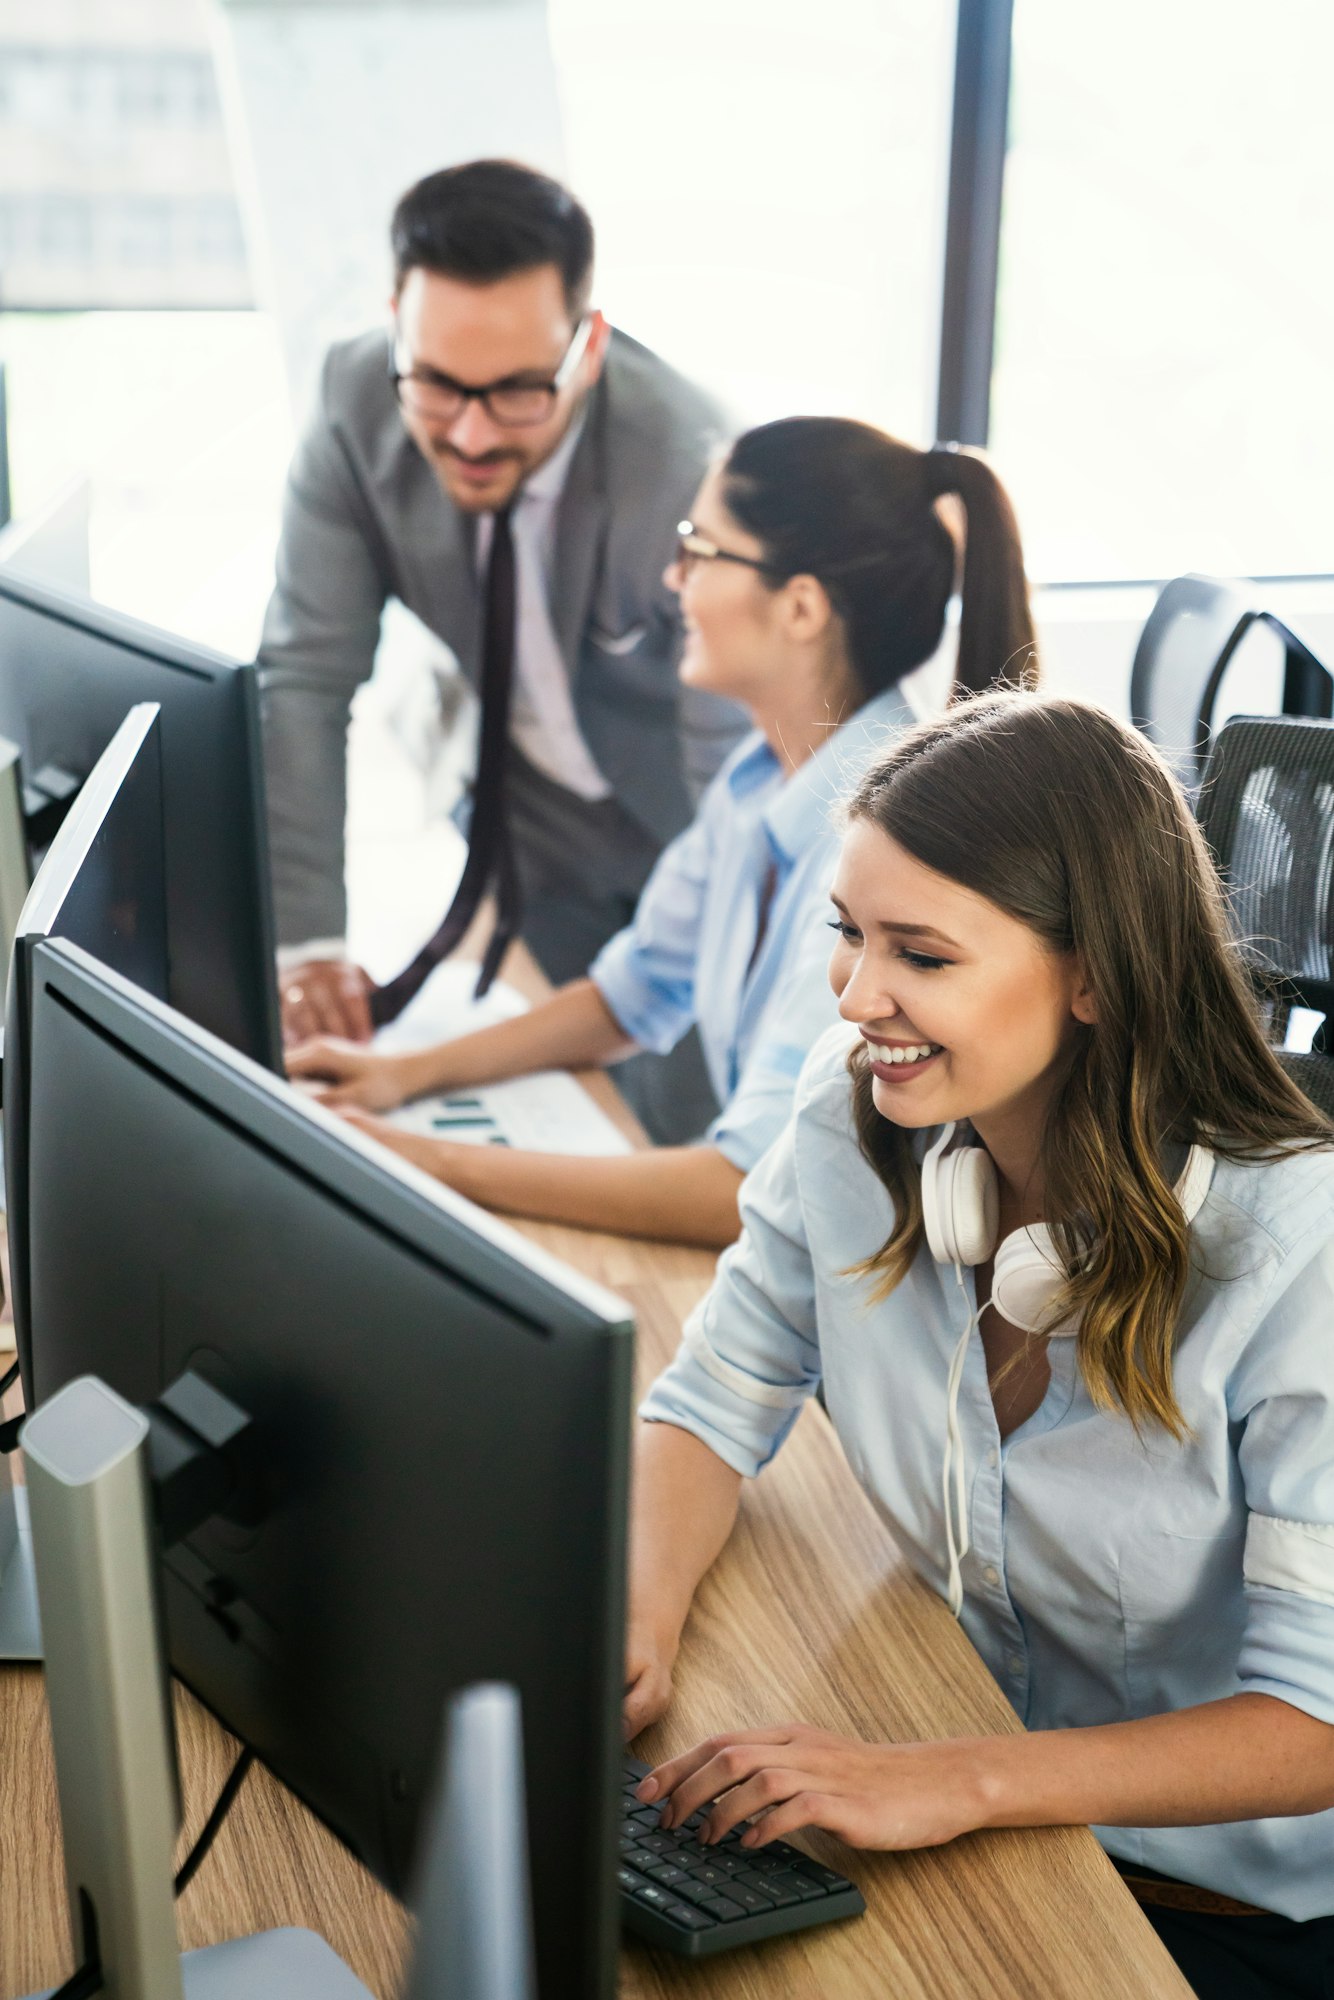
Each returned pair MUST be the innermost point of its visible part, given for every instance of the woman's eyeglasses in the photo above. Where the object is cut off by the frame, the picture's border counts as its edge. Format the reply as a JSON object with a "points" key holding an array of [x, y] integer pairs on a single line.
{"points": [[692, 548]]}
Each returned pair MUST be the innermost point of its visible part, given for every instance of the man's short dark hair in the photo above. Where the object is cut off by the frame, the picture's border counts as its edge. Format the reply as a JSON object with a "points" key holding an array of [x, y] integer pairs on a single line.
{"points": [[488, 219]]}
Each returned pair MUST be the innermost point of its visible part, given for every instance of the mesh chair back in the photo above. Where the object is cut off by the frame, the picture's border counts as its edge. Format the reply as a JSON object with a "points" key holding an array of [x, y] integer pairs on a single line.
{"points": [[1267, 810], [1184, 652], [1191, 634]]}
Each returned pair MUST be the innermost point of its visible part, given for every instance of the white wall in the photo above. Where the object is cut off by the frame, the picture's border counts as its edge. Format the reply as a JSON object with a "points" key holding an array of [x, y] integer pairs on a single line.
{"points": [[333, 110]]}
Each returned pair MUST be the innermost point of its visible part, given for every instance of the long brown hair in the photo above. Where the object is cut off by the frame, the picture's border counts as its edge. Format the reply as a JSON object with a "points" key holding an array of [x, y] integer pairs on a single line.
{"points": [[1069, 821], [841, 501]]}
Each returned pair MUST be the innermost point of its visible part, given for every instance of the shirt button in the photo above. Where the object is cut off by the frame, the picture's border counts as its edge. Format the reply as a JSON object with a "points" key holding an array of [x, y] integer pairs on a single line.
{"points": [[993, 1458], [1015, 1664], [991, 1574]]}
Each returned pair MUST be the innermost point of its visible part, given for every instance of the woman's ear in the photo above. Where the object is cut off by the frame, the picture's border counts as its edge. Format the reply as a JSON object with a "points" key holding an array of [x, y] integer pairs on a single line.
{"points": [[806, 608], [1083, 1002]]}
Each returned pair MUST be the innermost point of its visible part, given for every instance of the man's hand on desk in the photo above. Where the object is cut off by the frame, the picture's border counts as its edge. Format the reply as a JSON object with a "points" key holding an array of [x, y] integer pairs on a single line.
{"points": [[325, 996], [869, 1794], [357, 1078]]}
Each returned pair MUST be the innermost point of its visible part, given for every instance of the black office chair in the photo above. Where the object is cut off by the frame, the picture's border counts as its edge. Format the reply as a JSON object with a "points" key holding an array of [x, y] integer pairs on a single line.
{"points": [[1266, 807], [1184, 651]]}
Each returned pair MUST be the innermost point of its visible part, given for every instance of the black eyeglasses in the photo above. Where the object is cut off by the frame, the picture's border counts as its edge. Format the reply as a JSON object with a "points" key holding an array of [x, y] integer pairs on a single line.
{"points": [[692, 548], [513, 403]]}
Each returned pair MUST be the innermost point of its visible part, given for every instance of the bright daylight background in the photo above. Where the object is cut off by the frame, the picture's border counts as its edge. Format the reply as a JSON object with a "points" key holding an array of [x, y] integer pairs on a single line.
{"points": [[768, 182]]}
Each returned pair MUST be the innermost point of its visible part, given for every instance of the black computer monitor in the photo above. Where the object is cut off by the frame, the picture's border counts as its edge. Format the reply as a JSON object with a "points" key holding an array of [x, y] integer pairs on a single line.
{"points": [[103, 886], [69, 670], [442, 1426]]}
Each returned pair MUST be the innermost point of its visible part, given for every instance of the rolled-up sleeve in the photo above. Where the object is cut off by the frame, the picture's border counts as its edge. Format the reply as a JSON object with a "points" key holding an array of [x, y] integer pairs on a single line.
{"points": [[749, 1354], [799, 1013], [646, 973], [1284, 1392]]}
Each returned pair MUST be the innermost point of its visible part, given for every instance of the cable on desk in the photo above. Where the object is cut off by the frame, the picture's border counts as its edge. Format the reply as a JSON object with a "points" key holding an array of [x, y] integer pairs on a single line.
{"points": [[9, 1434], [8, 1379], [81, 1984], [194, 1860]]}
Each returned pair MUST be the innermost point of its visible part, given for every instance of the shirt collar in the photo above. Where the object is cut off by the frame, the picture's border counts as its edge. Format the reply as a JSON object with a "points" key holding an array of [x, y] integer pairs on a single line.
{"points": [[799, 814]]}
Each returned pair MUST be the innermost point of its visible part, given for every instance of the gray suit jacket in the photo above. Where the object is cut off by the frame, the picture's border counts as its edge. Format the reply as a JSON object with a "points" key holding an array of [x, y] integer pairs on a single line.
{"points": [[365, 519]]}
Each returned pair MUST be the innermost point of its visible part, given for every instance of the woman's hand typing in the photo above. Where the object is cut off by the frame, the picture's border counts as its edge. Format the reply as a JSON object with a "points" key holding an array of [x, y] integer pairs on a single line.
{"points": [[868, 1794], [357, 1078]]}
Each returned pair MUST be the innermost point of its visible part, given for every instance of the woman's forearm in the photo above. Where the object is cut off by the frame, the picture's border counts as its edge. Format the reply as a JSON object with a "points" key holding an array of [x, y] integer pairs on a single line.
{"points": [[574, 1029], [1250, 1756], [684, 1505], [673, 1194]]}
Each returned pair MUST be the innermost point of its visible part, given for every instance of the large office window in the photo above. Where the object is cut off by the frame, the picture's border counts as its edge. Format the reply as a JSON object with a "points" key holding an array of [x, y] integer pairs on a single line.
{"points": [[1163, 394], [768, 180]]}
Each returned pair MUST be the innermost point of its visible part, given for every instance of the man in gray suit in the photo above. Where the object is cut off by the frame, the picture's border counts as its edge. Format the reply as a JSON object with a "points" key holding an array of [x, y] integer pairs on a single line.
{"points": [[497, 389]]}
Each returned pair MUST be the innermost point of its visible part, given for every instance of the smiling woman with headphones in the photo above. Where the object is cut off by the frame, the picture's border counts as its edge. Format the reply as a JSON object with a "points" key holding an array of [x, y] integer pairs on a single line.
{"points": [[1055, 1232]]}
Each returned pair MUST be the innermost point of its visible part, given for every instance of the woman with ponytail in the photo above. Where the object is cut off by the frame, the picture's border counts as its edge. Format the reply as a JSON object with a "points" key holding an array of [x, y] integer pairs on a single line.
{"points": [[814, 575]]}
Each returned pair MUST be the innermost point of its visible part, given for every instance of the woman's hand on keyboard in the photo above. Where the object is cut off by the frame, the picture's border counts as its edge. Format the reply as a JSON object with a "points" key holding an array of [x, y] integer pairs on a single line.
{"points": [[356, 1078], [869, 1794]]}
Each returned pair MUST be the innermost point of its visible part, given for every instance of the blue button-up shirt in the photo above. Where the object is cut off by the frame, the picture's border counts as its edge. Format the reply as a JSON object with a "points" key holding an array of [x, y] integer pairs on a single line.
{"points": [[689, 957], [1110, 1575]]}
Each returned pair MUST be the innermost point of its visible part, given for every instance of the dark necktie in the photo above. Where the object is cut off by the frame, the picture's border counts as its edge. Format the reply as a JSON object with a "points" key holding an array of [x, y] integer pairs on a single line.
{"points": [[490, 862]]}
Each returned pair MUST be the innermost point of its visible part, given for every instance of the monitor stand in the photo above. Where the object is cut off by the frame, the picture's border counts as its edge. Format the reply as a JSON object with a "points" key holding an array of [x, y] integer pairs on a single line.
{"points": [[20, 1629], [108, 1691], [270, 1965]]}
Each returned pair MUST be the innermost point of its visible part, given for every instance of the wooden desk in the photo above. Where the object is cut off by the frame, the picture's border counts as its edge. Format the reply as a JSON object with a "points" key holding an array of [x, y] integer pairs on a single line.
{"points": [[811, 1613]]}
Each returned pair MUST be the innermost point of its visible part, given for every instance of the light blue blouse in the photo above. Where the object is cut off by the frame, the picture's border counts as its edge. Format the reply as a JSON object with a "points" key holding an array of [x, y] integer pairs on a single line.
{"points": [[1110, 1575], [686, 958]]}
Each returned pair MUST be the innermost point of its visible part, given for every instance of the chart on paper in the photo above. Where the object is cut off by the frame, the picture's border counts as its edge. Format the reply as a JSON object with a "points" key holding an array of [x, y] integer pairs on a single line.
{"points": [[547, 1112]]}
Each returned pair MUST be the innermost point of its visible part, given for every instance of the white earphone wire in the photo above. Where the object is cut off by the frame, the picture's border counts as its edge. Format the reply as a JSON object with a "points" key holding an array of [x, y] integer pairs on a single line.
{"points": [[954, 1469]]}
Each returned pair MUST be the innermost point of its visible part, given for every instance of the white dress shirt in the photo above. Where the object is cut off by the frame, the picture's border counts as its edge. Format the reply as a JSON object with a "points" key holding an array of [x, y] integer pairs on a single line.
{"points": [[542, 719]]}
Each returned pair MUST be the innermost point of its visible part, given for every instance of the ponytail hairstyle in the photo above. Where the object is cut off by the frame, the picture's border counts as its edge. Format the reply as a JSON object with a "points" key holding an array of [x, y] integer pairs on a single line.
{"points": [[1069, 821], [841, 501]]}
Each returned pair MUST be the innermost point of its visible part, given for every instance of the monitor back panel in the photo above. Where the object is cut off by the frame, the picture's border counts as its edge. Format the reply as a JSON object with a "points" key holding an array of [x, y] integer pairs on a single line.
{"points": [[69, 670], [442, 1484]]}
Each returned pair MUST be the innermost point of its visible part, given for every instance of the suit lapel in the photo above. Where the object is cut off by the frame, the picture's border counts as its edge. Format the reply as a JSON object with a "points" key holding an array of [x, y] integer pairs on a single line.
{"points": [[581, 530]]}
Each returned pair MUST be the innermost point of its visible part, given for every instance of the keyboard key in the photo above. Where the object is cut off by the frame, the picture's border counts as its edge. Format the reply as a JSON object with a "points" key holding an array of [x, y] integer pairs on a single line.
{"points": [[696, 1892], [826, 1877], [723, 1907], [797, 1885], [657, 1843], [763, 1863], [656, 1898], [704, 1871], [689, 1918], [731, 1864], [664, 1873], [647, 1816], [631, 1882], [779, 1897], [753, 1900]]}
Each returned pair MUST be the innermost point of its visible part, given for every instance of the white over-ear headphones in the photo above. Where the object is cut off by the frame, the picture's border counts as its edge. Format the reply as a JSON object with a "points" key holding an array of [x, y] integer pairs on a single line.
{"points": [[961, 1210], [961, 1217]]}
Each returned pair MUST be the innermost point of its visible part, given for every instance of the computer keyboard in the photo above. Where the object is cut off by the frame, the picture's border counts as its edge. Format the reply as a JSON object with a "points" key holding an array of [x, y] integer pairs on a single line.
{"points": [[696, 1899]]}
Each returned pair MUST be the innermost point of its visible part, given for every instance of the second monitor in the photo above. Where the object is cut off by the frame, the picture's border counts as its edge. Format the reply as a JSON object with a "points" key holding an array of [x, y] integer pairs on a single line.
{"points": [[441, 1425]]}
